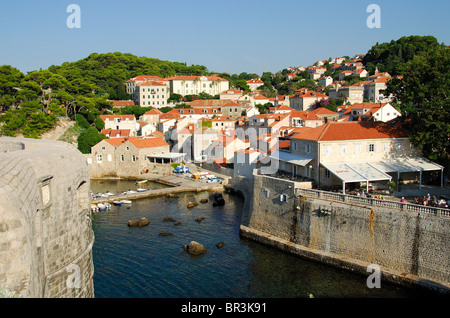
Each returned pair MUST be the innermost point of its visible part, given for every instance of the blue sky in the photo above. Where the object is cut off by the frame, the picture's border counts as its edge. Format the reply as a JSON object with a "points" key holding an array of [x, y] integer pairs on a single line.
{"points": [[252, 36]]}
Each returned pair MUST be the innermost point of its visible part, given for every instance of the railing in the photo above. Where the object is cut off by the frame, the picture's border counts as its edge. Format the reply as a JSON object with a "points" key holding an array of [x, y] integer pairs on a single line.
{"points": [[353, 199]]}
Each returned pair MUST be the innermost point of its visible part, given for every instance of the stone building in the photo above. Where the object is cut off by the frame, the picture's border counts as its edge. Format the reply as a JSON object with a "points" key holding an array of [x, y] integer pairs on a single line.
{"points": [[45, 227], [124, 157]]}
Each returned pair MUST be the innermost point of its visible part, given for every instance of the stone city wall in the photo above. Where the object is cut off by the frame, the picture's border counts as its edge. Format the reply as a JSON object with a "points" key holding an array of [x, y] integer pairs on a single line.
{"points": [[413, 244], [45, 229]]}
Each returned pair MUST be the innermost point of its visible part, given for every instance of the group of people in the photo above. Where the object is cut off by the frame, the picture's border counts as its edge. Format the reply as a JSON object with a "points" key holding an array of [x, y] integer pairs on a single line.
{"points": [[370, 196], [431, 200]]}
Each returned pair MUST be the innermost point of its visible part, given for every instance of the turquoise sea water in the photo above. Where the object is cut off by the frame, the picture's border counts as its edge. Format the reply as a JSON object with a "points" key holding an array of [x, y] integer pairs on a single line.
{"points": [[140, 263]]}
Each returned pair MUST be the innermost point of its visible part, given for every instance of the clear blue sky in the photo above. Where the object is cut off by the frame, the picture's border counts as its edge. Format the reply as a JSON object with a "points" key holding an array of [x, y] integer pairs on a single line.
{"points": [[231, 36]]}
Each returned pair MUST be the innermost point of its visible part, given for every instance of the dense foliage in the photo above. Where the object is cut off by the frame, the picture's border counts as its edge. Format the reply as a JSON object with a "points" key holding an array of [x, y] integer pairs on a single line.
{"points": [[392, 57], [423, 94]]}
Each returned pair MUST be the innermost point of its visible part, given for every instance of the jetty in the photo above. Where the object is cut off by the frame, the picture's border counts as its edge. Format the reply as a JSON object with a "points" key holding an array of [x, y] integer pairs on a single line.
{"points": [[176, 184]]}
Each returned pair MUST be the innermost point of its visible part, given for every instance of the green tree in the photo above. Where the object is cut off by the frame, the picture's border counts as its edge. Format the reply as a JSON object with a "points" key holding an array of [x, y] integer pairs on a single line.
{"points": [[423, 95], [89, 138]]}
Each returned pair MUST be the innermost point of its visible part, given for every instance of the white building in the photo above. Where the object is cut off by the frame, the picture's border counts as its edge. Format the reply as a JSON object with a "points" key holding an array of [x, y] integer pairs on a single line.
{"points": [[255, 83], [153, 94], [194, 85], [121, 122]]}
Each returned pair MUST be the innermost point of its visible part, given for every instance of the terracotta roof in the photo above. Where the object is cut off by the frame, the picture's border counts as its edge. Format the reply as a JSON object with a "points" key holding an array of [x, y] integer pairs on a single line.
{"points": [[353, 130], [143, 78], [112, 117], [195, 111], [323, 111], [150, 83], [154, 111], [207, 102], [213, 77], [147, 142], [115, 132], [231, 103], [122, 103], [223, 118]]}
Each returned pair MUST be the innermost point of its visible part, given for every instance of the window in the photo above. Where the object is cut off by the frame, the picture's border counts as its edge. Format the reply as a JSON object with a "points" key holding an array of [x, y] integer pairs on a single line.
{"points": [[128, 148], [122, 158], [328, 150], [307, 148], [103, 148], [399, 146], [99, 158], [342, 149], [133, 158], [371, 148], [266, 193], [386, 147], [294, 146], [283, 197], [109, 158], [327, 174]]}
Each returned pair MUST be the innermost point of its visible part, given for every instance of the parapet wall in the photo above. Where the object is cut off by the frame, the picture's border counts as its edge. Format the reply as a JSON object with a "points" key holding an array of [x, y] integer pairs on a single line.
{"points": [[408, 245], [45, 230]]}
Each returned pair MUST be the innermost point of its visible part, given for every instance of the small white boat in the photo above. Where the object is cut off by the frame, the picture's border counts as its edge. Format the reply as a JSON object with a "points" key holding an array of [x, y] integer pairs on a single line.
{"points": [[141, 189], [101, 206], [108, 205], [94, 208], [118, 203], [125, 201], [131, 191]]}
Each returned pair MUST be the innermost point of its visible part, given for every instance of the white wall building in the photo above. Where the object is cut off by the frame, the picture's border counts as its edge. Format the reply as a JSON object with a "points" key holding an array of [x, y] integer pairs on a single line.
{"points": [[194, 85]]}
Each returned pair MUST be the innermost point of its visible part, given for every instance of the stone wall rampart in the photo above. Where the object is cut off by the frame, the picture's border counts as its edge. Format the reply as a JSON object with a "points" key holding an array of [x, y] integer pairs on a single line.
{"points": [[402, 239]]}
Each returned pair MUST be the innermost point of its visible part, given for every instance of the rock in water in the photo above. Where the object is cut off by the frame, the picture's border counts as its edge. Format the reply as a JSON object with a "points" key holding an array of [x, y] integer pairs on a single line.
{"points": [[165, 234], [220, 245], [195, 248], [204, 201], [169, 219], [199, 219], [218, 199], [177, 223], [191, 205], [133, 223], [143, 222]]}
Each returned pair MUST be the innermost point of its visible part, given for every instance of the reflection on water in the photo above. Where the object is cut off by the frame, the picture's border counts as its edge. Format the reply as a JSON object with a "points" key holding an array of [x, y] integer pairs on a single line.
{"points": [[138, 262]]}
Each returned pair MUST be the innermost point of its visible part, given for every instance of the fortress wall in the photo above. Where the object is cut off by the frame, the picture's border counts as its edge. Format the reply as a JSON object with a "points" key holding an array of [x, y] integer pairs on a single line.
{"points": [[45, 225], [408, 245]]}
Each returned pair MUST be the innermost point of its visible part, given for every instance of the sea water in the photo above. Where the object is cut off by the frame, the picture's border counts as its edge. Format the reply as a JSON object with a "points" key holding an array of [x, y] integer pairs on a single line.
{"points": [[138, 262]]}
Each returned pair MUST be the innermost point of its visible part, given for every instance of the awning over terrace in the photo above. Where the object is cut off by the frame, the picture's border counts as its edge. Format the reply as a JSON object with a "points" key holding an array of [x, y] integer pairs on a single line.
{"points": [[290, 158], [356, 172], [409, 164], [171, 157], [376, 171]]}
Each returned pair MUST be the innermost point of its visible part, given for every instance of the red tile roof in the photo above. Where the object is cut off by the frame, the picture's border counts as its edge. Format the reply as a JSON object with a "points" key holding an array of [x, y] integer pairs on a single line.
{"points": [[112, 117], [336, 131]]}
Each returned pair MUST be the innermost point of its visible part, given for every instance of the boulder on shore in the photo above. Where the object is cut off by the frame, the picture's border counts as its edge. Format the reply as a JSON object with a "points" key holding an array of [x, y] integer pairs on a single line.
{"points": [[195, 248]]}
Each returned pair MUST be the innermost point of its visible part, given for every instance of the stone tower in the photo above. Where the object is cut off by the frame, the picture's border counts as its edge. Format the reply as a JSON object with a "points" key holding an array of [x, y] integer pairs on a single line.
{"points": [[46, 236]]}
